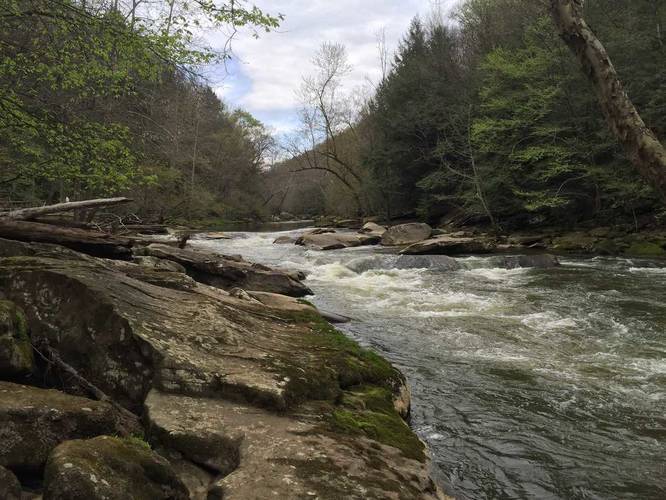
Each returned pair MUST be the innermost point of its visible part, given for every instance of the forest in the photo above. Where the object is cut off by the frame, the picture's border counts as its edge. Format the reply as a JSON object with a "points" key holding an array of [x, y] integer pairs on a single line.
{"points": [[482, 116]]}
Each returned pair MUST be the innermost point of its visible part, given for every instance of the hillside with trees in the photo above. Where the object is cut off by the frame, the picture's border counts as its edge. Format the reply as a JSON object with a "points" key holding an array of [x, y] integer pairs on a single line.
{"points": [[487, 118], [106, 97], [482, 116]]}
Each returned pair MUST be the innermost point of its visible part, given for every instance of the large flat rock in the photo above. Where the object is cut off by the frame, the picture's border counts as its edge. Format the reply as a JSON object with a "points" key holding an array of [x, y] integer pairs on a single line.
{"points": [[448, 245], [336, 241], [228, 271], [255, 389], [128, 336], [406, 234], [284, 456]]}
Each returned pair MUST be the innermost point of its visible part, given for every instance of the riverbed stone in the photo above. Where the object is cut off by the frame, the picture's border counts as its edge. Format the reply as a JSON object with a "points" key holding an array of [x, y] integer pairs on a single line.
{"points": [[447, 245], [33, 421], [16, 356], [373, 229], [539, 261], [10, 488], [336, 241], [406, 234], [576, 242], [284, 240], [434, 262], [645, 249], [108, 468]]}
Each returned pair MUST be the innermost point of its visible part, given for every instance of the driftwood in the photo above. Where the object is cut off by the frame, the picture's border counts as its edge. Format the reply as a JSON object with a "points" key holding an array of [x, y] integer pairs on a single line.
{"points": [[93, 243], [32, 213]]}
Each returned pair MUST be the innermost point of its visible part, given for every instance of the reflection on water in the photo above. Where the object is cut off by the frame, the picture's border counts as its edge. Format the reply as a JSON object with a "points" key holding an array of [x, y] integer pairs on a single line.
{"points": [[527, 383]]}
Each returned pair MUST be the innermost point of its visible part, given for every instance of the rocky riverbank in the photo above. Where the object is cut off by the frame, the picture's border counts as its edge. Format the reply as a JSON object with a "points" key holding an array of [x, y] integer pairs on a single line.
{"points": [[421, 239], [181, 374]]}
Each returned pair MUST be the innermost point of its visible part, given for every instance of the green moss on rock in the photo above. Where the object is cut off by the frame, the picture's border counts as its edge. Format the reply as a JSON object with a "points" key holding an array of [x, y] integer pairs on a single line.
{"points": [[369, 410], [111, 469], [646, 249], [336, 362]]}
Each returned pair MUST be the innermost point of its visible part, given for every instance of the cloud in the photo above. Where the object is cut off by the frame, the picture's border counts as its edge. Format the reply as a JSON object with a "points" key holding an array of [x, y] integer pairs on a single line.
{"points": [[268, 71]]}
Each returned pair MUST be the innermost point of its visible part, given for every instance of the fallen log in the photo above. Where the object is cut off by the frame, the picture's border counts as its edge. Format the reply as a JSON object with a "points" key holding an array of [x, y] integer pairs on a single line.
{"points": [[64, 222], [90, 242], [31, 213]]}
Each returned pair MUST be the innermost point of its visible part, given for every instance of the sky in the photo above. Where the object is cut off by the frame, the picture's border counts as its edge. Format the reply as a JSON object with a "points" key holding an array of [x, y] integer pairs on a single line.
{"points": [[265, 73]]}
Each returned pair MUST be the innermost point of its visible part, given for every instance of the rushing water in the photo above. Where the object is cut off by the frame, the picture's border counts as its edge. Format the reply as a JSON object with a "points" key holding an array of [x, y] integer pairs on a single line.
{"points": [[527, 383]]}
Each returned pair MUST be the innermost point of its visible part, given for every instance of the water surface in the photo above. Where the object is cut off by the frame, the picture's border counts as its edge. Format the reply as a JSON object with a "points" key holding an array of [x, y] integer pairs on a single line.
{"points": [[527, 383]]}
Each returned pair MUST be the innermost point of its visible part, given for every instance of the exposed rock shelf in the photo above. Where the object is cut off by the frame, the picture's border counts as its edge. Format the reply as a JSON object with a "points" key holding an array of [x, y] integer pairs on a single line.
{"points": [[247, 394]]}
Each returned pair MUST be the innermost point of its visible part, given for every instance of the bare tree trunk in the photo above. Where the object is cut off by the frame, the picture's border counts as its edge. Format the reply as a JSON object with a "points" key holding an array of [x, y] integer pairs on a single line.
{"points": [[640, 144], [195, 151], [31, 213]]}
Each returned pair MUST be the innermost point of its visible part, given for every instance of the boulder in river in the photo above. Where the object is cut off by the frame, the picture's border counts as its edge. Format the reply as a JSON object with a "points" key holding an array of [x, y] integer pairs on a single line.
{"points": [[16, 357], [368, 262], [576, 242], [34, 421], [446, 245], [284, 240], [434, 262], [406, 234], [373, 229], [109, 468], [540, 261], [228, 271], [336, 241]]}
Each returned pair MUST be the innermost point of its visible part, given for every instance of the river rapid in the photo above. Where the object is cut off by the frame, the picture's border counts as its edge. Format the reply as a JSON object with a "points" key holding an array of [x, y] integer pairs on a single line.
{"points": [[527, 383]]}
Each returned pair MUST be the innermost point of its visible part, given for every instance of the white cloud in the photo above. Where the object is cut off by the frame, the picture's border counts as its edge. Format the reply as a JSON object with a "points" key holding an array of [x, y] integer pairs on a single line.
{"points": [[268, 70]]}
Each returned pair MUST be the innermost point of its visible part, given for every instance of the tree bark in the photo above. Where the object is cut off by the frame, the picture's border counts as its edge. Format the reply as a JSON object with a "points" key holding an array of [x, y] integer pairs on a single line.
{"points": [[641, 145], [32, 213]]}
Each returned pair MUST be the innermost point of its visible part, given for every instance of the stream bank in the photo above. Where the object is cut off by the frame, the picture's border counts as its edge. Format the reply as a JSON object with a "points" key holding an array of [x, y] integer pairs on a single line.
{"points": [[171, 388], [529, 380]]}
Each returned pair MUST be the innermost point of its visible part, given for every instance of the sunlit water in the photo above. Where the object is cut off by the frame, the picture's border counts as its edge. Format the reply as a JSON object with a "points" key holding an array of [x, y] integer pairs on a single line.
{"points": [[527, 383]]}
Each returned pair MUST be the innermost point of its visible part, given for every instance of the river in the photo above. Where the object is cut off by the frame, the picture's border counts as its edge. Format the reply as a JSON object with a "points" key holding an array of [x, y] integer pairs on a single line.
{"points": [[527, 383]]}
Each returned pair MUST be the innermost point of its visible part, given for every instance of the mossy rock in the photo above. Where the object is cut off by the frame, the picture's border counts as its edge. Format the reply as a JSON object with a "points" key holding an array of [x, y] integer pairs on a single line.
{"points": [[110, 468], [337, 363], [607, 247], [575, 242], [645, 249], [369, 410], [16, 356], [34, 421]]}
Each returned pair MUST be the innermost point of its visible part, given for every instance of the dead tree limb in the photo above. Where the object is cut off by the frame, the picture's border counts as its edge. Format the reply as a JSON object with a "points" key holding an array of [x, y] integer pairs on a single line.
{"points": [[641, 145], [31, 213], [52, 357]]}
